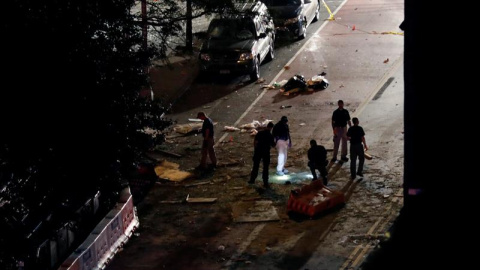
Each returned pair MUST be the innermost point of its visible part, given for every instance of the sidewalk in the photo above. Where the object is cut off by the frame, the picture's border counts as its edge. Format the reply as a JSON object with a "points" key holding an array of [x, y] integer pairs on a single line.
{"points": [[170, 81]]}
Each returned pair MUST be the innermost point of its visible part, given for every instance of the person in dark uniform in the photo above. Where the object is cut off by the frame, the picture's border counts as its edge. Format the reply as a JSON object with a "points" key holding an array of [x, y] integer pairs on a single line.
{"points": [[262, 143], [356, 135], [281, 133], [208, 142], [317, 160], [340, 119]]}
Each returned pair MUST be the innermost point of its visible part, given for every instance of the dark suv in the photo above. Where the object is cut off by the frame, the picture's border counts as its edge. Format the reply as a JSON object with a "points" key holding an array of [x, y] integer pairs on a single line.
{"points": [[239, 42], [292, 17]]}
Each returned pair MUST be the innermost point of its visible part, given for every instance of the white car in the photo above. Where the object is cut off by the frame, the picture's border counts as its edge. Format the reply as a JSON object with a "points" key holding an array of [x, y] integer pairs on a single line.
{"points": [[292, 17]]}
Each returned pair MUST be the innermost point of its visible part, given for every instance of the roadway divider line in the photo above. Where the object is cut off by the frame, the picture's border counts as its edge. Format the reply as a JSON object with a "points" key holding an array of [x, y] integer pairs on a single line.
{"points": [[374, 226], [382, 81], [350, 258], [278, 75], [243, 246], [360, 256]]}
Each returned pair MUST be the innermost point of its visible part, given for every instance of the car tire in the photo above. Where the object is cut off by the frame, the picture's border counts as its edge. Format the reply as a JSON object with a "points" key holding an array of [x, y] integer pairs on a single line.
{"points": [[304, 31], [271, 53], [317, 14], [255, 75]]}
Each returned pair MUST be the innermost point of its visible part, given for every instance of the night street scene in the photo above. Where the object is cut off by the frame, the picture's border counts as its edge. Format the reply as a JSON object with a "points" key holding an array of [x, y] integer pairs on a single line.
{"points": [[222, 134]]}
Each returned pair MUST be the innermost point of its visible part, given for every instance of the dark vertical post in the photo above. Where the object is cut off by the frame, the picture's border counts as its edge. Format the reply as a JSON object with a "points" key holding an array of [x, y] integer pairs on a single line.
{"points": [[189, 34], [144, 23]]}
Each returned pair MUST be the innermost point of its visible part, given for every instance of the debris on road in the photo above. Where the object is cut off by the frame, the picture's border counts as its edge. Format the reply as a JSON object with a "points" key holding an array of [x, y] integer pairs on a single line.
{"points": [[230, 128], [200, 200], [197, 184], [169, 171]]}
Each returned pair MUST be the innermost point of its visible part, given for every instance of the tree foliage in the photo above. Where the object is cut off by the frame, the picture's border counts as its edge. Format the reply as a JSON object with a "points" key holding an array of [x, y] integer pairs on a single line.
{"points": [[70, 105], [166, 19]]}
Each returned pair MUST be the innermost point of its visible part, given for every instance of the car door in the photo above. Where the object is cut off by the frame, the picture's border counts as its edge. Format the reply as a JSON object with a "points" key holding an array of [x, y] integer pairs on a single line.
{"points": [[310, 7], [262, 44]]}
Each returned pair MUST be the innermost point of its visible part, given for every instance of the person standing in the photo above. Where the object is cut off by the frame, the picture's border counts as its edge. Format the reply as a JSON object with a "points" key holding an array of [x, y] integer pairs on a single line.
{"points": [[317, 160], [340, 119], [281, 133], [261, 144], [356, 135], [208, 142]]}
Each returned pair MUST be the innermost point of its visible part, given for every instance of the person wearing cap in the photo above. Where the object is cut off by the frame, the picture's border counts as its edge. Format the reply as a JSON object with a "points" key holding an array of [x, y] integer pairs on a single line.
{"points": [[340, 119], [208, 142], [281, 133]]}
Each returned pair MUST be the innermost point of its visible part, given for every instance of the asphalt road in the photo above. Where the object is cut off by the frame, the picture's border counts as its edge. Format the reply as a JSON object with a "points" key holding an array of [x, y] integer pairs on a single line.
{"points": [[365, 69]]}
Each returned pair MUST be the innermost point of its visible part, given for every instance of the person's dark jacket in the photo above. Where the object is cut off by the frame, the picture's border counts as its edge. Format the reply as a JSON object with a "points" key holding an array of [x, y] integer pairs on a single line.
{"points": [[317, 154], [264, 141], [281, 131]]}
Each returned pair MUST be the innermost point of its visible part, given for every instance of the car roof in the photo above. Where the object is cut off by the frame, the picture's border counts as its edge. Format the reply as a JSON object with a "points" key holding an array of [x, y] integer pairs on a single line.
{"points": [[246, 8]]}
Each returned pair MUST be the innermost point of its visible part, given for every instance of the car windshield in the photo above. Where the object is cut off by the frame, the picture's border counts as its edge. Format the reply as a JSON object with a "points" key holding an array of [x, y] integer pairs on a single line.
{"points": [[231, 29], [279, 3]]}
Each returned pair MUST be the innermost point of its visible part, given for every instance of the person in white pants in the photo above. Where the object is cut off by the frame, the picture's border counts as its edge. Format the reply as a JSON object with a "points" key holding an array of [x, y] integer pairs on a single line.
{"points": [[281, 133]]}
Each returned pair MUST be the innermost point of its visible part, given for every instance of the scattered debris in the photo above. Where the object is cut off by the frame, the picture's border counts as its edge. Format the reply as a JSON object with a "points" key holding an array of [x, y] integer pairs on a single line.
{"points": [[259, 81], [230, 128], [200, 200], [256, 124], [228, 163], [367, 155], [169, 171], [386, 61], [197, 184], [302, 124], [188, 128], [195, 120], [285, 106], [172, 202]]}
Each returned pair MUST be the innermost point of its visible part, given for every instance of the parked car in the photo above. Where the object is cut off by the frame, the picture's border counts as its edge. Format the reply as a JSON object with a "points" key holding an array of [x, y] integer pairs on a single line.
{"points": [[292, 17], [238, 43]]}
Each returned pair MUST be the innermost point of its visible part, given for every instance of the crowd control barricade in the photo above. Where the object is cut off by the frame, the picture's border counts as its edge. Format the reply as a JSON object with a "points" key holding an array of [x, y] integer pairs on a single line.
{"points": [[313, 199], [112, 232]]}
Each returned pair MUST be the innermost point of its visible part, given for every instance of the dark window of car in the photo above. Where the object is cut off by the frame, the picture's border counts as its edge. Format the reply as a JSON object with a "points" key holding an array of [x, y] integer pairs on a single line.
{"points": [[231, 29]]}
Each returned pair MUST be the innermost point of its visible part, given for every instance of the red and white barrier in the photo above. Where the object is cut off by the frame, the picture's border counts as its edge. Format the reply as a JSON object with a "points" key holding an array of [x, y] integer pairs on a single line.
{"points": [[106, 238]]}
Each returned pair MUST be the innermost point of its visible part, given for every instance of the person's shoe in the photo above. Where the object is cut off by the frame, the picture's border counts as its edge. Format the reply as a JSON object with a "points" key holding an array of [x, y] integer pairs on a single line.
{"points": [[314, 179], [325, 181], [333, 160], [280, 174], [200, 168], [251, 182], [344, 159], [360, 174], [285, 171], [352, 177]]}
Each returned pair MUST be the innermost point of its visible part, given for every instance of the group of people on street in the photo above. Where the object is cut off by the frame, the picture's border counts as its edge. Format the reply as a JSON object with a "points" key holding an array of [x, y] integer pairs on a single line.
{"points": [[278, 135]]}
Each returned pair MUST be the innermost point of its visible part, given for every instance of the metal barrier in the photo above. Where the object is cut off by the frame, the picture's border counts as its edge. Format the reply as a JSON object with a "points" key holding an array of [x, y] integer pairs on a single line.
{"points": [[112, 232]]}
